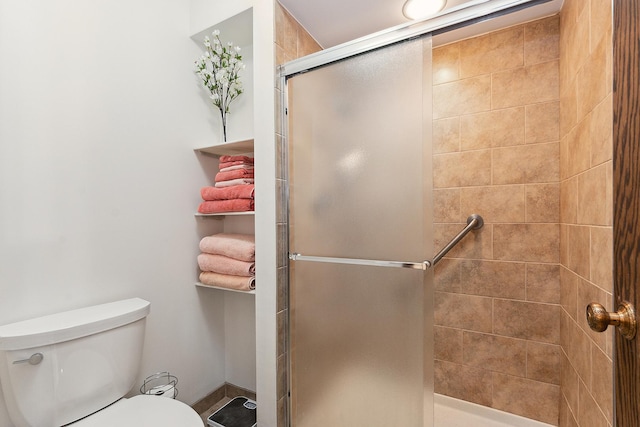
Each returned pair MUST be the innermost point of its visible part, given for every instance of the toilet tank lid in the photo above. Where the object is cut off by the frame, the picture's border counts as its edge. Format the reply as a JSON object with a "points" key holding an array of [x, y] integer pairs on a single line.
{"points": [[69, 325]]}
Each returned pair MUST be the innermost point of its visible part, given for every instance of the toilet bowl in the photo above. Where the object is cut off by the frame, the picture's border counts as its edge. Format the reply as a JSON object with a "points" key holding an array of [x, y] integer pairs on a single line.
{"points": [[74, 368], [143, 411]]}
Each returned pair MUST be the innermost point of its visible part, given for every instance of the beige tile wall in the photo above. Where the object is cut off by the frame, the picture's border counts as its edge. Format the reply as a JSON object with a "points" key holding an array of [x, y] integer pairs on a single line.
{"points": [[585, 210], [291, 41], [497, 153]]}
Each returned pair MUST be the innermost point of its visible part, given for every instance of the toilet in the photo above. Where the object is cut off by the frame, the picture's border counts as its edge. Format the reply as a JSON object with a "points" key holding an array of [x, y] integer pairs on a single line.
{"points": [[74, 368]]}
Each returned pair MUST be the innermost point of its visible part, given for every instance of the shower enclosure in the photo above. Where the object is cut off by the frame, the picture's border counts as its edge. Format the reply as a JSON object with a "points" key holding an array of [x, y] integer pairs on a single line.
{"points": [[359, 230], [359, 177]]}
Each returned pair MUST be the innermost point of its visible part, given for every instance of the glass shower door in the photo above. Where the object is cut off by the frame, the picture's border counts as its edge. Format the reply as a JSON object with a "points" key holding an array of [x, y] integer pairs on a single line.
{"points": [[360, 328]]}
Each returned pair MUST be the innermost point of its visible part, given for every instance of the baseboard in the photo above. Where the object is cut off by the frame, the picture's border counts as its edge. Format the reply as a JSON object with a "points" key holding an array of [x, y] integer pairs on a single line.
{"points": [[235, 391]]}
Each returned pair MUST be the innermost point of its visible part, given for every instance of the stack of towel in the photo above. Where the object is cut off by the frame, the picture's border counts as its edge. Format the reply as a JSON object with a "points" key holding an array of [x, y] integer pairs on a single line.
{"points": [[228, 261], [233, 189]]}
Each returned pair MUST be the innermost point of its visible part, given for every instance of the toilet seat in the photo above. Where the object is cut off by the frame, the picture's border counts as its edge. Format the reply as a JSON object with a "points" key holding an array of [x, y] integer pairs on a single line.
{"points": [[143, 411]]}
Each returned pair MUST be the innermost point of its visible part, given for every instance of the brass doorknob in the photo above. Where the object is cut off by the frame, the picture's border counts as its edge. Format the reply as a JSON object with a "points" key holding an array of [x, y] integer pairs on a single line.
{"points": [[625, 318]]}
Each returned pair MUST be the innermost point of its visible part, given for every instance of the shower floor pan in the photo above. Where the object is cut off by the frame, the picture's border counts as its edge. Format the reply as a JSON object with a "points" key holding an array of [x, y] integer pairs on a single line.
{"points": [[450, 412]]}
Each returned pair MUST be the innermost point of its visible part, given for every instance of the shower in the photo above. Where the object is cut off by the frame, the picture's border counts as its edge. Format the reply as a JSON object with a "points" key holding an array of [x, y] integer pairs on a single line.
{"points": [[495, 128]]}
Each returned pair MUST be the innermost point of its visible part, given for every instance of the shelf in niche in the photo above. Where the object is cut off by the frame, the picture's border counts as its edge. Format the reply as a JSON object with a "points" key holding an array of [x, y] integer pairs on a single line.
{"points": [[223, 214], [233, 148], [201, 285]]}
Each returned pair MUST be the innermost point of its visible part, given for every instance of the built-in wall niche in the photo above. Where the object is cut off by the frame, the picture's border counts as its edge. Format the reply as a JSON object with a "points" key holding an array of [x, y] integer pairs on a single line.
{"points": [[239, 306], [238, 30]]}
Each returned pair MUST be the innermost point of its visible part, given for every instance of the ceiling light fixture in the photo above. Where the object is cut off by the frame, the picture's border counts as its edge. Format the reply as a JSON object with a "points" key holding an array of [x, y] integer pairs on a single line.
{"points": [[418, 9]]}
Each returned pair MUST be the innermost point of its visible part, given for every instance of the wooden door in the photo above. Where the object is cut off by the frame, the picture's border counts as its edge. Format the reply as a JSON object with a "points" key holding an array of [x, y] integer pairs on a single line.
{"points": [[626, 215]]}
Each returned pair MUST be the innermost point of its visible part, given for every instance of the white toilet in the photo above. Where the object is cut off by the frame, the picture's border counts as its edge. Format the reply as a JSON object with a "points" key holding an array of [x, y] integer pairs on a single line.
{"points": [[75, 367]]}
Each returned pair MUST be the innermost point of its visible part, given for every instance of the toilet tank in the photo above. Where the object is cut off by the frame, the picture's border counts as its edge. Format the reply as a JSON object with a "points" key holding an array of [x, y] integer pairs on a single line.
{"points": [[90, 359]]}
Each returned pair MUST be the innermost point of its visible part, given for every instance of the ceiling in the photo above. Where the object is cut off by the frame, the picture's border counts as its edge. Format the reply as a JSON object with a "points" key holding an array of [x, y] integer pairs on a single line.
{"points": [[333, 22]]}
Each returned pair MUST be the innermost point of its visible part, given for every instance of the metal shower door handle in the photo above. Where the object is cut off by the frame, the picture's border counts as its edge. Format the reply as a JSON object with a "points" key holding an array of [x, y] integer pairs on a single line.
{"points": [[599, 318], [423, 265], [474, 222]]}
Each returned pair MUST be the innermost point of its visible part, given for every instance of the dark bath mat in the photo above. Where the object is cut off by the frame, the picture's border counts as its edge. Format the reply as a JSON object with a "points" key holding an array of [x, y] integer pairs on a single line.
{"points": [[239, 412]]}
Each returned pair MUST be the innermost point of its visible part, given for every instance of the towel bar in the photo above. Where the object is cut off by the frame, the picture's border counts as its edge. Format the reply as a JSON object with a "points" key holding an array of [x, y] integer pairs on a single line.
{"points": [[423, 265], [474, 222]]}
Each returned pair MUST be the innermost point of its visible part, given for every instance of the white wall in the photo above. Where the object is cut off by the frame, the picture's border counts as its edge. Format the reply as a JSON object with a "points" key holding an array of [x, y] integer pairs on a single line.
{"points": [[99, 112]]}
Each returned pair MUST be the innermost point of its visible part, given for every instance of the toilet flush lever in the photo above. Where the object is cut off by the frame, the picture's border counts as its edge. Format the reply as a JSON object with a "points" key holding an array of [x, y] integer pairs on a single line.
{"points": [[35, 359]]}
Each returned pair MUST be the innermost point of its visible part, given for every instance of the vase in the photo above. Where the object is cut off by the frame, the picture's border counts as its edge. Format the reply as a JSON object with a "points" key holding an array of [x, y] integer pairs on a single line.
{"points": [[223, 116]]}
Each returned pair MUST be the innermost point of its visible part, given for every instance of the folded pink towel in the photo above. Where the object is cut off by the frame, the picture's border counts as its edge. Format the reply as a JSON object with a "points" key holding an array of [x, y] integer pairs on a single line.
{"points": [[227, 281], [219, 206], [245, 159], [238, 173], [239, 181], [235, 167], [228, 193], [238, 246], [226, 165], [225, 265]]}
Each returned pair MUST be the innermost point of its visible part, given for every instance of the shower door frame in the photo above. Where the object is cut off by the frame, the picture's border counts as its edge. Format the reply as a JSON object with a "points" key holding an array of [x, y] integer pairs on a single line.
{"points": [[456, 17], [452, 19]]}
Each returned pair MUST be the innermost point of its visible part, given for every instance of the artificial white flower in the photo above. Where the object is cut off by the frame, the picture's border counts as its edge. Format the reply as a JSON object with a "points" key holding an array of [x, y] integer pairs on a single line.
{"points": [[219, 68]]}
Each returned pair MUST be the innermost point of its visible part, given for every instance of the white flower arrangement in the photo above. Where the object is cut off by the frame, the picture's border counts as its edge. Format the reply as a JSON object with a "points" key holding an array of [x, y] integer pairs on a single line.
{"points": [[219, 69]]}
